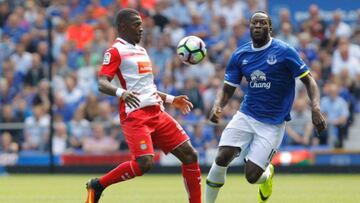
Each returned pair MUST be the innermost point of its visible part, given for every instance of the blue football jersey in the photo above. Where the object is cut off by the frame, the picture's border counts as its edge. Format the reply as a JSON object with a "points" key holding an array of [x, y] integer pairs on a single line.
{"points": [[270, 71]]}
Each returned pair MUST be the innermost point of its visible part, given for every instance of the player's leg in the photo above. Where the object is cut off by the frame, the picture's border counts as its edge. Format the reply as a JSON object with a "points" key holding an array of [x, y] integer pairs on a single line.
{"points": [[235, 137], [170, 137], [190, 170], [128, 170], [257, 175], [141, 148], [254, 173], [217, 174], [123, 172], [258, 169]]}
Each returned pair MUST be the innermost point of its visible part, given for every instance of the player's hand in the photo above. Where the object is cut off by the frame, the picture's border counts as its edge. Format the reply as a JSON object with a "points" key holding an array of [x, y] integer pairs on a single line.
{"points": [[183, 104], [215, 114], [130, 99], [318, 120]]}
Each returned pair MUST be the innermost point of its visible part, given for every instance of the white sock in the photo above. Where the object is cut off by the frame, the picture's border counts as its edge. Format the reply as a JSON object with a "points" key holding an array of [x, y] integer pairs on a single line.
{"points": [[264, 176], [214, 181]]}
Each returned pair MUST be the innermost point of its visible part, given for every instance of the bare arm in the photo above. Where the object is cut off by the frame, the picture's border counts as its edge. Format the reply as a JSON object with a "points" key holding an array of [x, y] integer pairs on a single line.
{"points": [[162, 95], [312, 90], [221, 100], [105, 86], [314, 96]]}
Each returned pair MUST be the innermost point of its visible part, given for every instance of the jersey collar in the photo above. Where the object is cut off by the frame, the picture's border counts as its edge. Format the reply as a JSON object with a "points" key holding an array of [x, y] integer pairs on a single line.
{"points": [[122, 41], [263, 47]]}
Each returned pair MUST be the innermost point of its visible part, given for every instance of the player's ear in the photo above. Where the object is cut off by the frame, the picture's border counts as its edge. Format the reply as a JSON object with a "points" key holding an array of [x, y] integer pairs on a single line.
{"points": [[270, 25]]}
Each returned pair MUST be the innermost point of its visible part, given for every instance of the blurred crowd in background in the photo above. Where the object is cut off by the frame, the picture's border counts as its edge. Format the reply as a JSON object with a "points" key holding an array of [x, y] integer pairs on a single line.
{"points": [[86, 121]]}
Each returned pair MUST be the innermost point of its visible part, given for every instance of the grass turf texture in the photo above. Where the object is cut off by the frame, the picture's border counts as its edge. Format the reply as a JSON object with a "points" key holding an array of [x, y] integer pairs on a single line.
{"points": [[169, 189]]}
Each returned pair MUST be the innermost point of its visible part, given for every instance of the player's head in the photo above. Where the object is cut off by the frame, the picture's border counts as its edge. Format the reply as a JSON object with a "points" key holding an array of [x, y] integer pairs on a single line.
{"points": [[260, 27], [129, 25]]}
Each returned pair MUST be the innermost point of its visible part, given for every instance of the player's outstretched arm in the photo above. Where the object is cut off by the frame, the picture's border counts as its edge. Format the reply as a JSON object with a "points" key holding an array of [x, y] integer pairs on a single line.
{"points": [[180, 102], [313, 92], [105, 86], [222, 98]]}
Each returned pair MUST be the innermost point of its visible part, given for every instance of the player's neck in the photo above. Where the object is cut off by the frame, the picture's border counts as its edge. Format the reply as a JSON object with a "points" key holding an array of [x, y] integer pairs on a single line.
{"points": [[259, 44]]}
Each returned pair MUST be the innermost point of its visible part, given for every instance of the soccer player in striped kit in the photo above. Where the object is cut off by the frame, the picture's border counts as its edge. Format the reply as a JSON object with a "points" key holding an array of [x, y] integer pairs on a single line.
{"points": [[143, 119]]}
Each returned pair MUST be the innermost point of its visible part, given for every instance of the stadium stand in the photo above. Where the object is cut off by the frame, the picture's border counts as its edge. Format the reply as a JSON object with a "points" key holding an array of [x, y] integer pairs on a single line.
{"points": [[81, 32]]}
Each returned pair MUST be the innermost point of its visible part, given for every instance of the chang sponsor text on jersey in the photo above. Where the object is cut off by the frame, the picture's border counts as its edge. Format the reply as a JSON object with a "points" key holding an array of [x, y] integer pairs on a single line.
{"points": [[270, 72]]}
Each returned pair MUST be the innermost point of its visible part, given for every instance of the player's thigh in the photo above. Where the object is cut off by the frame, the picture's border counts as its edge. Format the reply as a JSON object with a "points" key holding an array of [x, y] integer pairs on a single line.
{"points": [[235, 138], [168, 133], [138, 138], [237, 133], [265, 144]]}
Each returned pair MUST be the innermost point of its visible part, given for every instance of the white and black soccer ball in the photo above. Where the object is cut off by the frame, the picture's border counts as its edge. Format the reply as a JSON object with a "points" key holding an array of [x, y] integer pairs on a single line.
{"points": [[191, 50]]}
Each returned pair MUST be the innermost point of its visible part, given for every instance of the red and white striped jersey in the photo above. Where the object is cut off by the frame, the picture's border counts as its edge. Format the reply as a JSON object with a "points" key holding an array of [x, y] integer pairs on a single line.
{"points": [[132, 65]]}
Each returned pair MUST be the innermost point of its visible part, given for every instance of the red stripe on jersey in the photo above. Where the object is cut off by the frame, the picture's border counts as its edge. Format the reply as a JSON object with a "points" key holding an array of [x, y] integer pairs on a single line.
{"points": [[122, 80], [122, 103]]}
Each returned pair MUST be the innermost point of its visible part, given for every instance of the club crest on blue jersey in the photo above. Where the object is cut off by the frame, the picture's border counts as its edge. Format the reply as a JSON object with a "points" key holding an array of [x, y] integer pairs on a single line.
{"points": [[258, 80], [270, 73], [271, 60]]}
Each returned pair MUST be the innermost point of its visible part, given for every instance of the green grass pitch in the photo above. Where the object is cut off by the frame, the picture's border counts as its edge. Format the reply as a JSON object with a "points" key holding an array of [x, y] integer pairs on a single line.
{"points": [[169, 189]]}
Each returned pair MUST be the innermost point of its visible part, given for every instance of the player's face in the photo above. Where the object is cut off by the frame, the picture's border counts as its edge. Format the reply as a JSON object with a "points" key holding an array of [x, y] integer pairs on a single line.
{"points": [[134, 29], [259, 27]]}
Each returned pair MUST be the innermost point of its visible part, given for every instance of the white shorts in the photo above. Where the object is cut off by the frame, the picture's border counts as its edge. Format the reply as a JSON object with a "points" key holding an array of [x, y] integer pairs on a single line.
{"points": [[259, 140]]}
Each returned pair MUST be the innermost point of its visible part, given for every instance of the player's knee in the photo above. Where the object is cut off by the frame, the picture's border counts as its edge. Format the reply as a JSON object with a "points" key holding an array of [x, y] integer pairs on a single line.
{"points": [[186, 153], [191, 156], [252, 177], [225, 155], [221, 161], [145, 163], [252, 172]]}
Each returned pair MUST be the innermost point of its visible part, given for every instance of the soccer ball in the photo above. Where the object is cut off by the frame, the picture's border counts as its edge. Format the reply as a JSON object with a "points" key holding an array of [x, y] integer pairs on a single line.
{"points": [[191, 50]]}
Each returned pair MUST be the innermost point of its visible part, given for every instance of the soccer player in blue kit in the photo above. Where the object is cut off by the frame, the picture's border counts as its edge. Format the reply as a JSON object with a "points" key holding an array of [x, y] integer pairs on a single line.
{"points": [[270, 67]]}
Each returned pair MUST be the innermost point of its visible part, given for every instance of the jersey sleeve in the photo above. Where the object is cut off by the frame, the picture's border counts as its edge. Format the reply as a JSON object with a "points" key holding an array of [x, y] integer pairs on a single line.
{"points": [[233, 73], [296, 65], [111, 63]]}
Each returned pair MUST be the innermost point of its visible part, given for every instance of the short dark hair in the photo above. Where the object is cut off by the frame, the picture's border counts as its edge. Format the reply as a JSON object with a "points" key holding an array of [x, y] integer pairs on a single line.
{"points": [[263, 12], [124, 16]]}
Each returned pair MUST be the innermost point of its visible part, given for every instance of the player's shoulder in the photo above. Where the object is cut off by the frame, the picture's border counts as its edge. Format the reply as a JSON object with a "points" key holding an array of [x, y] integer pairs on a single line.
{"points": [[112, 51], [281, 45], [242, 49], [119, 44], [284, 48], [245, 47], [117, 47], [111, 54]]}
